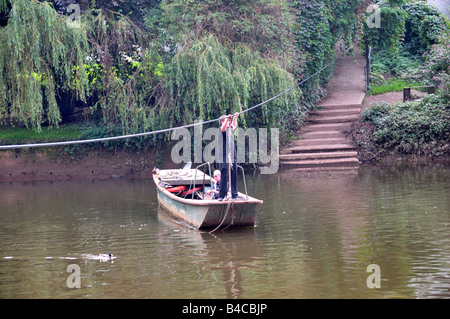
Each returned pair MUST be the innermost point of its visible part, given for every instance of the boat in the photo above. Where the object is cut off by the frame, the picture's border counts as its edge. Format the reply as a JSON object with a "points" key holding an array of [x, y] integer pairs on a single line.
{"points": [[183, 194]]}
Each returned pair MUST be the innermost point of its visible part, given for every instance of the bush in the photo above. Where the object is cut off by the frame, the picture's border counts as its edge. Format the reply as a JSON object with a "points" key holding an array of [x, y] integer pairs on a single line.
{"points": [[418, 128], [398, 64], [423, 27], [438, 66], [394, 72]]}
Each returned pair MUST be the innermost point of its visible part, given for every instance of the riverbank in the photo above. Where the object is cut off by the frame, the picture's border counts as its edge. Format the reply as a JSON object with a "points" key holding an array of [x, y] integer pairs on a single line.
{"points": [[54, 164], [84, 163]]}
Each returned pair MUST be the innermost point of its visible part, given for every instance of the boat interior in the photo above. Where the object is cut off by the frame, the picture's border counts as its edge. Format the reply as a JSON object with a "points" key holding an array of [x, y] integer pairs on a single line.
{"points": [[191, 183]]}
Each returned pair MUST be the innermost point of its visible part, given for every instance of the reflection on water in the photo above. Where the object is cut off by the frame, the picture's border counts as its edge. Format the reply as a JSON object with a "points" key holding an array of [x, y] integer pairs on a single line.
{"points": [[314, 238]]}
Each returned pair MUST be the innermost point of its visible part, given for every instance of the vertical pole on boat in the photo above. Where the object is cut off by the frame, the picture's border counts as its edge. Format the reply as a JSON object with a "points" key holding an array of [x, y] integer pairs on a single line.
{"points": [[229, 142]]}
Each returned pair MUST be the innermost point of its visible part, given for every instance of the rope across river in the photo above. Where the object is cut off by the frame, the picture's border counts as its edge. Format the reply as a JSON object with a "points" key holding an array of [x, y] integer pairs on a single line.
{"points": [[112, 138]]}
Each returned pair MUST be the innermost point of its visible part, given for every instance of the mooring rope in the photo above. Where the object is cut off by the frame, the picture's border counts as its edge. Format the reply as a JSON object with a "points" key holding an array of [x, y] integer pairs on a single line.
{"points": [[112, 138]]}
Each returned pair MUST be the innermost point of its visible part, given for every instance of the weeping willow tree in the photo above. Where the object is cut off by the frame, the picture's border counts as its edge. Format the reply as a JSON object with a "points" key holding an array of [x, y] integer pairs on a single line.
{"points": [[40, 56], [128, 72], [103, 65], [208, 78]]}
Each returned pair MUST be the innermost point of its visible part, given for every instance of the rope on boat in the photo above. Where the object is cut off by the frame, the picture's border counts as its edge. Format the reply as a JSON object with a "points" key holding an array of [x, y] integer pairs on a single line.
{"points": [[233, 216], [224, 217], [64, 143]]}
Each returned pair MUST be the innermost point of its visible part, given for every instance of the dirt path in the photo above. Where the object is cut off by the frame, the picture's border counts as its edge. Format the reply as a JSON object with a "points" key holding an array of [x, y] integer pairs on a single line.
{"points": [[389, 97]]}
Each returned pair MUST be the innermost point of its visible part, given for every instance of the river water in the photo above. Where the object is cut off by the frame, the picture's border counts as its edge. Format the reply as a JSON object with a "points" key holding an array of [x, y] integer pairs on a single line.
{"points": [[315, 237]]}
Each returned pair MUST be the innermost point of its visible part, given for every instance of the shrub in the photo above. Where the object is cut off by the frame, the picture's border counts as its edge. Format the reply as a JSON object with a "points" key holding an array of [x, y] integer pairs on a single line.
{"points": [[419, 128], [423, 27], [438, 65]]}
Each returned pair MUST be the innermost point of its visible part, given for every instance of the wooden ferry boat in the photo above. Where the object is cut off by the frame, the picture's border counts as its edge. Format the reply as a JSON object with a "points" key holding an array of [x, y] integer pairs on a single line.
{"points": [[183, 193]]}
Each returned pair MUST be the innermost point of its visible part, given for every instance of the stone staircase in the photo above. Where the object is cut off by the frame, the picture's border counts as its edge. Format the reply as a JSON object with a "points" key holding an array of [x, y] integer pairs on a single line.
{"points": [[321, 143]]}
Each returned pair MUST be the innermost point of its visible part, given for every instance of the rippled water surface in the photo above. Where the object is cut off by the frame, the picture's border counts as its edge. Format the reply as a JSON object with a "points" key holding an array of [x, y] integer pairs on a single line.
{"points": [[316, 234]]}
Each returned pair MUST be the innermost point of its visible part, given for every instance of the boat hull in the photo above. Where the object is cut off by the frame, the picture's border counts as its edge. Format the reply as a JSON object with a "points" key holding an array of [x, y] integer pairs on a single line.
{"points": [[204, 214]]}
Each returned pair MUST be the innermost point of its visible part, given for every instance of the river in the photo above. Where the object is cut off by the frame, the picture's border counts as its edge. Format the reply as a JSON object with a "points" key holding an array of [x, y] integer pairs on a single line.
{"points": [[316, 236]]}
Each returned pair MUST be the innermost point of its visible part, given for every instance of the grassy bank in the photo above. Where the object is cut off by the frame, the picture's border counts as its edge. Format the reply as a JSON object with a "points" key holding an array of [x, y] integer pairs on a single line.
{"points": [[392, 85], [22, 135], [77, 131]]}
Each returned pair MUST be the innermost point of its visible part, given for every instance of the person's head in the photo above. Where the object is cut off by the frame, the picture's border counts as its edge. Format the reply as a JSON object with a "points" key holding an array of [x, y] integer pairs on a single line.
{"points": [[217, 175]]}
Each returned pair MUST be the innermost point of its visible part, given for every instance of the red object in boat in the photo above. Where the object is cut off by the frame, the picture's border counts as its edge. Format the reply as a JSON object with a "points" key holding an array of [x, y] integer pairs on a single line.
{"points": [[190, 191], [176, 189]]}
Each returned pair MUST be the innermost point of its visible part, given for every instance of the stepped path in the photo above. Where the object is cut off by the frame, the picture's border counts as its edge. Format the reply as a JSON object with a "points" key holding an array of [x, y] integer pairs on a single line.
{"points": [[321, 143]]}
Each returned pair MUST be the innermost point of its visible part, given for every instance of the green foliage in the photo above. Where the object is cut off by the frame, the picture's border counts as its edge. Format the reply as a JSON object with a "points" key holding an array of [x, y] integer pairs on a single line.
{"points": [[4, 6], [208, 79], [94, 130], [413, 128], [392, 72], [395, 64], [105, 64], [345, 18], [19, 135], [392, 28], [391, 85], [419, 128], [264, 26], [424, 26], [193, 59], [438, 65], [319, 26], [38, 53], [314, 39], [229, 55], [124, 72]]}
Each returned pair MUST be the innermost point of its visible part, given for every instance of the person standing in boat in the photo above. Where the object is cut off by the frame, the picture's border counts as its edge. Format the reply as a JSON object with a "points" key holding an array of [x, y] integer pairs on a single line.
{"points": [[228, 124]]}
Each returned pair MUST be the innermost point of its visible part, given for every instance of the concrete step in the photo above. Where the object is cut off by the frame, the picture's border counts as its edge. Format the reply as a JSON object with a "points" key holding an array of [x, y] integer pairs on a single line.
{"points": [[320, 134], [325, 127], [339, 162], [337, 106], [344, 95], [319, 148], [316, 170], [333, 119], [336, 112], [320, 141], [314, 156]]}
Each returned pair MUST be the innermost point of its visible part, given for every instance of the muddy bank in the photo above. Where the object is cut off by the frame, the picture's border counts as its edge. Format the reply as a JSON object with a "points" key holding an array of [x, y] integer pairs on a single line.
{"points": [[55, 164], [361, 134]]}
